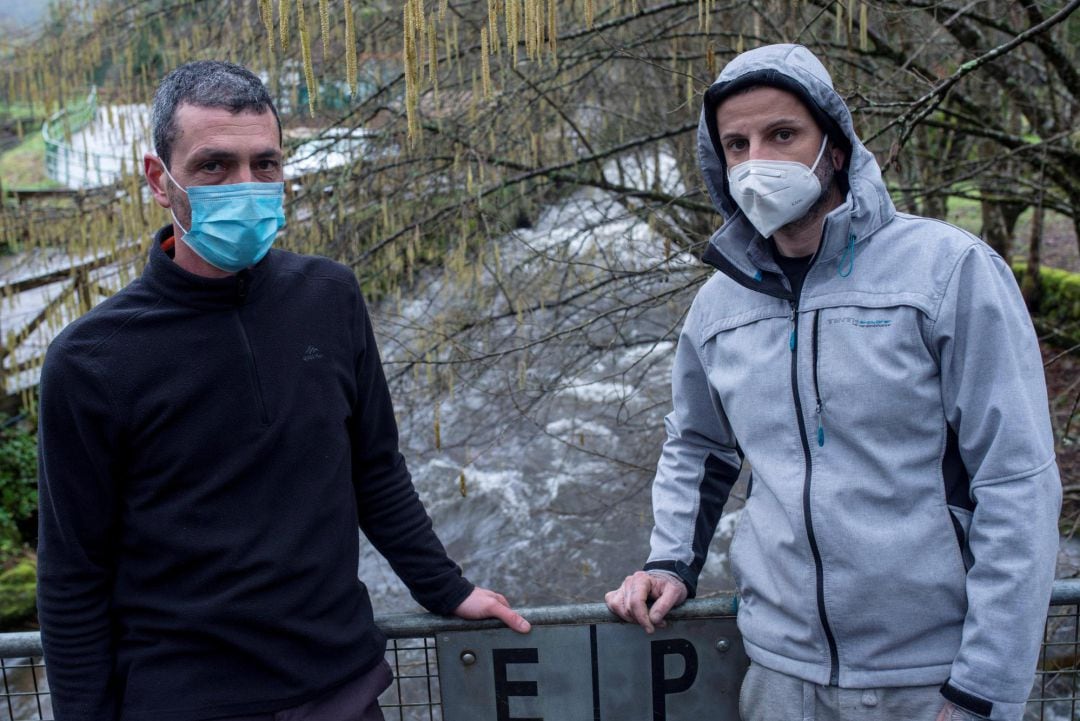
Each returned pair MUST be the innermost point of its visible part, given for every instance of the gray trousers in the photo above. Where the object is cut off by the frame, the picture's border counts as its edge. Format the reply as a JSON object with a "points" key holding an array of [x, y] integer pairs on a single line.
{"points": [[355, 700], [768, 695]]}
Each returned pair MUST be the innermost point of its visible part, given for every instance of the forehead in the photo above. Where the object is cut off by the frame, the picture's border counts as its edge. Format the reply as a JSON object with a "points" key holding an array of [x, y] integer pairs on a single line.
{"points": [[198, 126], [759, 108]]}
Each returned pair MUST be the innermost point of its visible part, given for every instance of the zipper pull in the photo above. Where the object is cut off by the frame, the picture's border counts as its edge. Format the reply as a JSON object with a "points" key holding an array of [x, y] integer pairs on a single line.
{"points": [[794, 326], [820, 427]]}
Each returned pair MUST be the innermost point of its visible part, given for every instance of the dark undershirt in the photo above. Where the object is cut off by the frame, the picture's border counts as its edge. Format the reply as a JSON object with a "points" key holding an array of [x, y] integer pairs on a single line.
{"points": [[794, 268]]}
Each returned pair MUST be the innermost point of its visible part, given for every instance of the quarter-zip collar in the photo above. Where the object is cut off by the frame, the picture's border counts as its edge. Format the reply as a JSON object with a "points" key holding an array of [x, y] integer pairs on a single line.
{"points": [[164, 276], [739, 251]]}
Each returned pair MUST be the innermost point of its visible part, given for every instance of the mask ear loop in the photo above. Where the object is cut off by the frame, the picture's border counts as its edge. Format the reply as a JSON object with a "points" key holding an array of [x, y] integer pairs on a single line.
{"points": [[182, 190], [820, 152]]}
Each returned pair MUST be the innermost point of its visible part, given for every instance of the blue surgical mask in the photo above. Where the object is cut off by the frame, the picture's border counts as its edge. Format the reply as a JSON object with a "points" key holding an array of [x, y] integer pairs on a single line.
{"points": [[233, 226]]}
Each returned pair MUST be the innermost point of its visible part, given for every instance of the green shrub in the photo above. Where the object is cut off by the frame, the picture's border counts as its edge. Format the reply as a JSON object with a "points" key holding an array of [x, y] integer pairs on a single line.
{"points": [[1059, 304], [18, 483], [17, 594]]}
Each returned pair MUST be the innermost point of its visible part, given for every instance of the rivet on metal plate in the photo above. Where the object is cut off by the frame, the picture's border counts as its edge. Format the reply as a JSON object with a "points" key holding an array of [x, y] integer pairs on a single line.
{"points": [[468, 658], [723, 645]]}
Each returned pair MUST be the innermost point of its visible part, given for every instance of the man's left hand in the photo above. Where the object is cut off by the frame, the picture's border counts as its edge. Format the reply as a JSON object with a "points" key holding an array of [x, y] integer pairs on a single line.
{"points": [[482, 603]]}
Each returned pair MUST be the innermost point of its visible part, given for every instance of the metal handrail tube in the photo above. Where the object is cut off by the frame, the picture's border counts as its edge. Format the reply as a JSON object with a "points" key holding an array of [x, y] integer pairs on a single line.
{"points": [[413, 625], [416, 625]]}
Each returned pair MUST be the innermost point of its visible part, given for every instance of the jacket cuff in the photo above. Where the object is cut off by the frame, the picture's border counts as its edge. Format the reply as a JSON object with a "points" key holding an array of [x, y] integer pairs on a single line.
{"points": [[977, 705], [680, 569], [445, 604]]}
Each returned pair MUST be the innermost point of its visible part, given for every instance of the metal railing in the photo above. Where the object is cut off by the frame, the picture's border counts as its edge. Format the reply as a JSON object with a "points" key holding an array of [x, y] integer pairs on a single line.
{"points": [[57, 130], [415, 694], [85, 164], [60, 126]]}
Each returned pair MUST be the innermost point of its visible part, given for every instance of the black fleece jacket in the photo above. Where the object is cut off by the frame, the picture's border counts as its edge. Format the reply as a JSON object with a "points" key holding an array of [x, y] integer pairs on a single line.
{"points": [[208, 449]]}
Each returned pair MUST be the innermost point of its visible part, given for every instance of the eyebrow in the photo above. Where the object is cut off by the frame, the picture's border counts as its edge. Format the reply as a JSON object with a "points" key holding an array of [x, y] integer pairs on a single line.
{"points": [[797, 122], [222, 154], [779, 122]]}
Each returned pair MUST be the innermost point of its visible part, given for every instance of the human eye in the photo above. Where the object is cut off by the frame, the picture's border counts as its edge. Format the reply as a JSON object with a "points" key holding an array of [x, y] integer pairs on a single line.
{"points": [[211, 166], [736, 145], [267, 169], [785, 134]]}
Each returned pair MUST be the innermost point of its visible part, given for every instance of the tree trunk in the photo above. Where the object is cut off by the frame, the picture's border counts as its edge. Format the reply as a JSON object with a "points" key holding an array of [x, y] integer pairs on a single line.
{"points": [[1031, 287], [993, 228], [935, 206], [999, 224], [1074, 201]]}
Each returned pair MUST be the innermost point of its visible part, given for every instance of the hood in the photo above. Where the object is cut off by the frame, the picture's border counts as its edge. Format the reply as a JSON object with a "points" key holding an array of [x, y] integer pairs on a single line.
{"points": [[796, 69]]}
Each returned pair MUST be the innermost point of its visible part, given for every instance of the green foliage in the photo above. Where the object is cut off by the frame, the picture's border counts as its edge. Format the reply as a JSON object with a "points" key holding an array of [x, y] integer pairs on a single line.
{"points": [[23, 167], [17, 594], [18, 484], [20, 110], [1059, 304]]}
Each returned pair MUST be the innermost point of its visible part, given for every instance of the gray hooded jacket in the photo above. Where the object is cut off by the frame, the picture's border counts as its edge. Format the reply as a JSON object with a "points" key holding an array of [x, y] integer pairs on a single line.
{"points": [[901, 523]]}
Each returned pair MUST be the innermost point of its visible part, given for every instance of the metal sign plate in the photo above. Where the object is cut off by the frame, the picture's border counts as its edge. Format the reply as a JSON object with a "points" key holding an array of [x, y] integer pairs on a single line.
{"points": [[604, 672]]}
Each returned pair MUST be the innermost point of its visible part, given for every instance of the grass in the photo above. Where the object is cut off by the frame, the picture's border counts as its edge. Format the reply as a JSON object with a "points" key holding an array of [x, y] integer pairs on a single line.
{"points": [[20, 111], [23, 167], [965, 213]]}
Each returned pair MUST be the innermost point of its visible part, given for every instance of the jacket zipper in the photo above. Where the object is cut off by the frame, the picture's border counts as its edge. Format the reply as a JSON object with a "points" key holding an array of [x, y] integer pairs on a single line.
{"points": [[817, 388], [241, 295], [834, 660], [719, 261]]}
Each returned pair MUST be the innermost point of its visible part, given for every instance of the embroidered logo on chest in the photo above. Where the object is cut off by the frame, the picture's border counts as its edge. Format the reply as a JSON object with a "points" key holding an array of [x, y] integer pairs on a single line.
{"points": [[861, 322], [312, 353]]}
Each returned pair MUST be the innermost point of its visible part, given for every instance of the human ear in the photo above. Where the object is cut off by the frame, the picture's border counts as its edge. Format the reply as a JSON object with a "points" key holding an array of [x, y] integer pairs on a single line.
{"points": [[837, 158], [154, 170]]}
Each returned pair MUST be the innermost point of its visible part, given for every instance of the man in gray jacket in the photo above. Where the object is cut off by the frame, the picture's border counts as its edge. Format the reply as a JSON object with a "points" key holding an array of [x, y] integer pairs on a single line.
{"points": [[879, 373]]}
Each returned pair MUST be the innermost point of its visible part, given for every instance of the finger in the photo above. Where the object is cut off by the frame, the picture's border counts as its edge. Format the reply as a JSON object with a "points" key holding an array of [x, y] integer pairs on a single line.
{"points": [[616, 600], [615, 603], [612, 599], [627, 606], [669, 597], [638, 593], [512, 619], [627, 590]]}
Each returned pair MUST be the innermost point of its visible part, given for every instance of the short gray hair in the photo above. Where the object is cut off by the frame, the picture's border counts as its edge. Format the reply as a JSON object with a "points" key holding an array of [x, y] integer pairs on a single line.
{"points": [[207, 84]]}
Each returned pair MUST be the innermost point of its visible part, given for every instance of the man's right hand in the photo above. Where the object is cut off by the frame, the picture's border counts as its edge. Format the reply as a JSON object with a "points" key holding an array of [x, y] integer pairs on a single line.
{"points": [[629, 601]]}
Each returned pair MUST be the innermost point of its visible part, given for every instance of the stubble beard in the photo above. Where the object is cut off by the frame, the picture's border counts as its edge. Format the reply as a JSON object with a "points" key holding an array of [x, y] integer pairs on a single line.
{"points": [[830, 191], [179, 206]]}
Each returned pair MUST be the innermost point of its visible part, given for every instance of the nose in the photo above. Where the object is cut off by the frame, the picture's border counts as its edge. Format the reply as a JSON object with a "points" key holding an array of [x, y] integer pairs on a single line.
{"points": [[756, 150], [243, 174]]}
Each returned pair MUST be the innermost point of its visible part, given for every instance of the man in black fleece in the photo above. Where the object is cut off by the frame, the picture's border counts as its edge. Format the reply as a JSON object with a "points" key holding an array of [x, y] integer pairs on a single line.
{"points": [[211, 438]]}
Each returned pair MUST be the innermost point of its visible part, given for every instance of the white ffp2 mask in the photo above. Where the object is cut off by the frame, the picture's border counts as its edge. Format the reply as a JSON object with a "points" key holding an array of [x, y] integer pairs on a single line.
{"points": [[772, 193]]}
